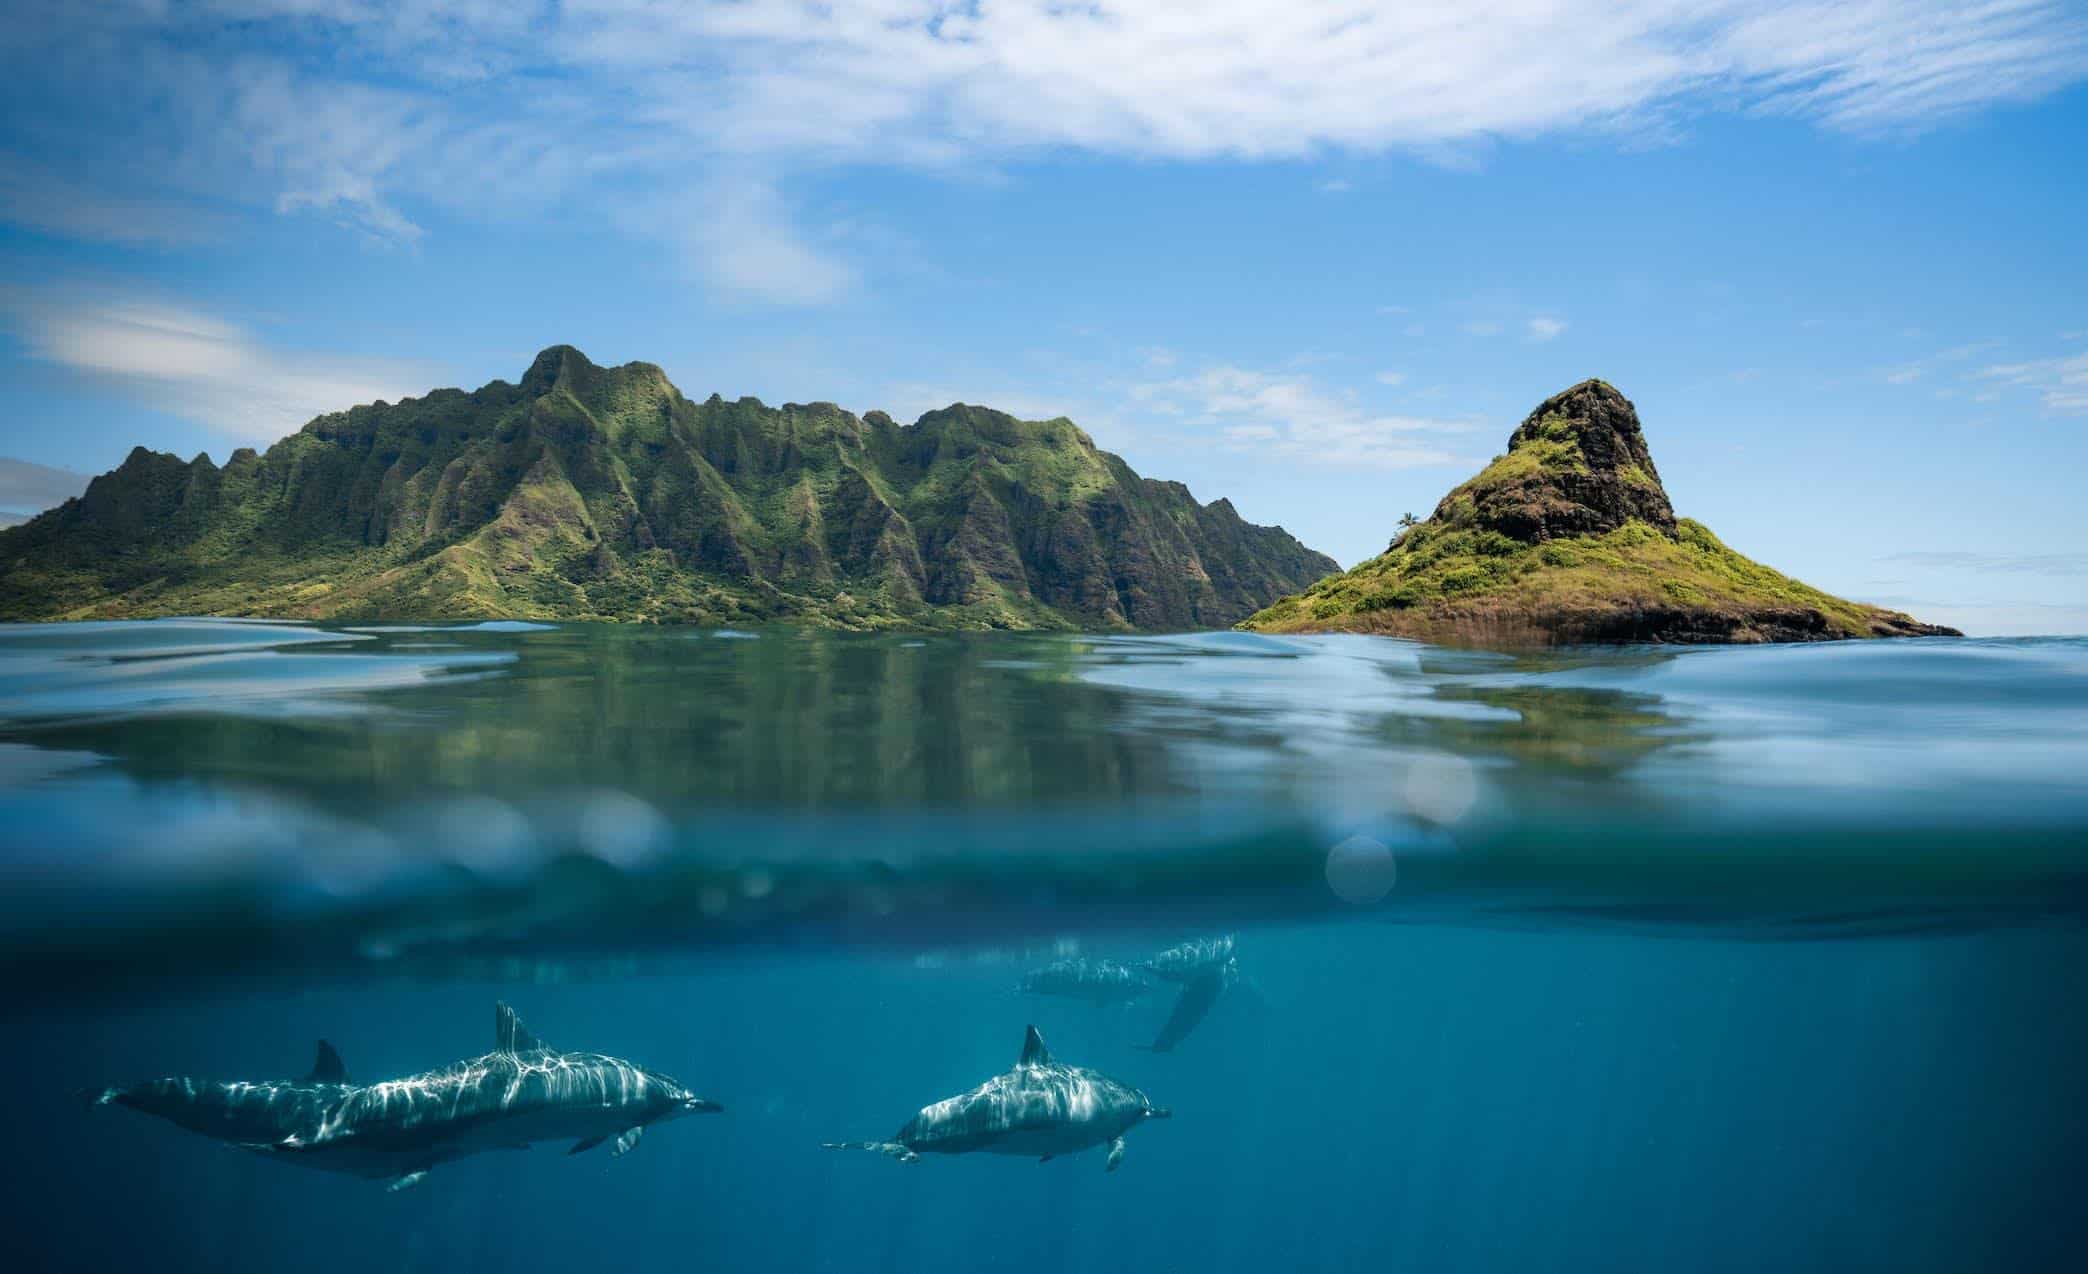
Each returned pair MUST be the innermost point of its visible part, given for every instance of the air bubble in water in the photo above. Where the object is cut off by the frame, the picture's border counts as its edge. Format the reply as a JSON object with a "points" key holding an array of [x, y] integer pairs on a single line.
{"points": [[1361, 870], [1441, 788]]}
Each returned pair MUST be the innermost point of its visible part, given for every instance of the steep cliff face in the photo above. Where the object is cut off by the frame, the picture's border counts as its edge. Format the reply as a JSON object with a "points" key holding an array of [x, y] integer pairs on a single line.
{"points": [[1569, 537], [603, 493]]}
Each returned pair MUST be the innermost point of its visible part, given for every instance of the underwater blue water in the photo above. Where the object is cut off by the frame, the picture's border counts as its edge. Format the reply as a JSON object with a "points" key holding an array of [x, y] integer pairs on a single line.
{"points": [[1721, 959]]}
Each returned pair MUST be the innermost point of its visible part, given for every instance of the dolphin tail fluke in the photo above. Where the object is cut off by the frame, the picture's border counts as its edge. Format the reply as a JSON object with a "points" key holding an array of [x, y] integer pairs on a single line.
{"points": [[895, 1150], [1116, 1155], [407, 1182]]}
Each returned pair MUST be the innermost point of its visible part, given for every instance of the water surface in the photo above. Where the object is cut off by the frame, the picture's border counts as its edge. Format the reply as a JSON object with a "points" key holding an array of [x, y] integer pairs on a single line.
{"points": [[1628, 959]]}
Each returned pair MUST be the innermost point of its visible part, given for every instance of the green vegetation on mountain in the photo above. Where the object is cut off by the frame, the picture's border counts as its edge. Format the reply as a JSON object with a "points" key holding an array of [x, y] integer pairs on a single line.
{"points": [[1569, 537], [587, 492]]}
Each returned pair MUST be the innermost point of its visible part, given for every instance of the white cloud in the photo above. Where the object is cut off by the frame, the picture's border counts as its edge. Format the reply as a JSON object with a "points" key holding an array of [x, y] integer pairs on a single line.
{"points": [[369, 113], [1292, 415], [1391, 378], [2061, 383], [1482, 327], [1904, 375], [1543, 328], [201, 367], [1334, 187]]}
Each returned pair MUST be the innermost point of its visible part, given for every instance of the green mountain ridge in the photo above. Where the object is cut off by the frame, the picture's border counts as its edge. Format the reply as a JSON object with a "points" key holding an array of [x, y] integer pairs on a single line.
{"points": [[1569, 537], [588, 492]]}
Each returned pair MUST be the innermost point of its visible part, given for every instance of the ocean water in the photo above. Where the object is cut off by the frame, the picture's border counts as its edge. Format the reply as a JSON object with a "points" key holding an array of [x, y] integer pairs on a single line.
{"points": [[1646, 959]]}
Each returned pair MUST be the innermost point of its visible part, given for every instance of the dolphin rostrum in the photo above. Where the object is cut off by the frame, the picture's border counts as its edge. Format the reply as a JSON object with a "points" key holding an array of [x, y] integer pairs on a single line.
{"points": [[1040, 1108], [1100, 982], [520, 1093]]}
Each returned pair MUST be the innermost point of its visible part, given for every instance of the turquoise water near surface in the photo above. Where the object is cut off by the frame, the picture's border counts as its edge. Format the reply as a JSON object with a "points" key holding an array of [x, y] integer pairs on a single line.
{"points": [[1641, 959]]}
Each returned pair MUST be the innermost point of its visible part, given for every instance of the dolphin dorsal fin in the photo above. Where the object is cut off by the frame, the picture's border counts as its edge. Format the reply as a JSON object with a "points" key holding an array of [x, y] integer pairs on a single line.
{"points": [[1033, 1051], [509, 1035], [327, 1068]]}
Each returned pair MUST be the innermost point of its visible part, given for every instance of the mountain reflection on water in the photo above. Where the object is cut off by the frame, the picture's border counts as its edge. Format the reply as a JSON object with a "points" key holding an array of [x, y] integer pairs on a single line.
{"points": [[242, 794]]}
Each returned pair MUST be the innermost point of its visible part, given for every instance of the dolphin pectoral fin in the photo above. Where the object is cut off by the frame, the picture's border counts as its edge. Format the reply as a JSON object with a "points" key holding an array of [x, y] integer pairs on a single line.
{"points": [[1047, 1158], [1116, 1155], [587, 1143], [407, 1182], [625, 1142]]}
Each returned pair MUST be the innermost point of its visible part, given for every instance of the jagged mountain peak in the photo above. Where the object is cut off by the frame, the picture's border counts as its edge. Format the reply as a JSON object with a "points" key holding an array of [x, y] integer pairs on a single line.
{"points": [[605, 493]]}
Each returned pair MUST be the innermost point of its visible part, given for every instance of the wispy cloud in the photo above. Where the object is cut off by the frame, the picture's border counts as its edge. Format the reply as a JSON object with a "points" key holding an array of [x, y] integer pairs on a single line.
{"points": [[2057, 564], [37, 197], [1944, 362], [380, 116], [26, 487], [202, 367], [1336, 186], [1292, 415], [1544, 328], [2060, 383], [746, 243], [1391, 378]]}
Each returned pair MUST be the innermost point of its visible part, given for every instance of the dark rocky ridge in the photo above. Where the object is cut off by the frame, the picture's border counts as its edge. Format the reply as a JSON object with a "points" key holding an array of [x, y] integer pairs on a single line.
{"points": [[1614, 482], [593, 492]]}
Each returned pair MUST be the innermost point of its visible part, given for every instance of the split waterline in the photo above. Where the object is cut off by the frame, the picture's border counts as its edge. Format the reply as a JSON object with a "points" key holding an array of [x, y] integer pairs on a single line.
{"points": [[1709, 958]]}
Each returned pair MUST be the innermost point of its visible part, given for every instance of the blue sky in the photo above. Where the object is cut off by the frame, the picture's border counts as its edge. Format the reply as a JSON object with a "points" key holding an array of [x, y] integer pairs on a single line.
{"points": [[1316, 257]]}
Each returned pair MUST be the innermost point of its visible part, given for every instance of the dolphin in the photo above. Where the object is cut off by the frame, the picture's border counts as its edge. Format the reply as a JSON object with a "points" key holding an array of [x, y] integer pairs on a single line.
{"points": [[520, 1093], [1040, 1108], [1185, 962], [1101, 982], [241, 1113]]}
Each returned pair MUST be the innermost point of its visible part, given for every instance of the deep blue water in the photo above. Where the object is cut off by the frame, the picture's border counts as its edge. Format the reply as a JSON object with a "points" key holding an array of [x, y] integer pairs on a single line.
{"points": [[1628, 960]]}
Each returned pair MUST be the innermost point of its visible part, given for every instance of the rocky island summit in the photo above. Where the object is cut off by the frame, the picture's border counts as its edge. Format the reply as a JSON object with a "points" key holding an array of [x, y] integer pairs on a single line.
{"points": [[1569, 538]]}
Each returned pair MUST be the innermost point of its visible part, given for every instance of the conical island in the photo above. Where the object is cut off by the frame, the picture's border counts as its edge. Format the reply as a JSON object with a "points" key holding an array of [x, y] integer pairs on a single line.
{"points": [[589, 492], [1567, 538]]}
